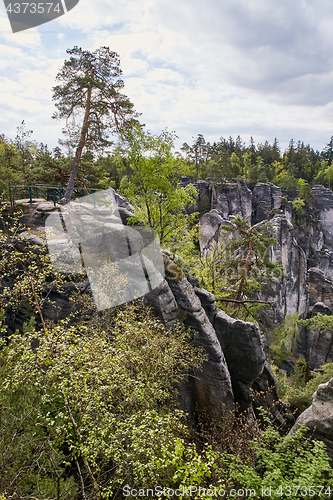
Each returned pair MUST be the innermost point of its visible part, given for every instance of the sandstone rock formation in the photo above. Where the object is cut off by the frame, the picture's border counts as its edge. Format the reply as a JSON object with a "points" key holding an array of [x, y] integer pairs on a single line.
{"points": [[266, 197], [305, 252], [316, 346], [290, 293], [241, 344], [319, 416], [234, 348], [236, 361], [209, 391]]}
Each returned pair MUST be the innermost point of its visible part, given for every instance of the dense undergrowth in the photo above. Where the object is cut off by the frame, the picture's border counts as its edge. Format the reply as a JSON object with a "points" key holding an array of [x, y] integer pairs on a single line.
{"points": [[88, 405]]}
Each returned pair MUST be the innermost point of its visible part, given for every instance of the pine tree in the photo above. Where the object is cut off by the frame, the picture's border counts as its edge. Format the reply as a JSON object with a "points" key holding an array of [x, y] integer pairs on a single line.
{"points": [[90, 86], [238, 267]]}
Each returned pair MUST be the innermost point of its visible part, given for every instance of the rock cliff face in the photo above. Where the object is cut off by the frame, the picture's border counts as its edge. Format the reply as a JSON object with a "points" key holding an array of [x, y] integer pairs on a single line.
{"points": [[234, 349], [266, 197], [305, 252]]}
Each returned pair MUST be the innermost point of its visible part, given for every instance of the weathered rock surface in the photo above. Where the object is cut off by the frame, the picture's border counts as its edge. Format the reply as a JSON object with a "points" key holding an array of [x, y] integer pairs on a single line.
{"points": [[319, 416], [233, 199], [316, 346], [212, 390], [242, 346], [210, 224], [265, 395], [266, 197], [290, 292]]}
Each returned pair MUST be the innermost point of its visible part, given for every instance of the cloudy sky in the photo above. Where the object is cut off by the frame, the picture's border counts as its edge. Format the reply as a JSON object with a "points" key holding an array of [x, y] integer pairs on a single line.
{"points": [[219, 68]]}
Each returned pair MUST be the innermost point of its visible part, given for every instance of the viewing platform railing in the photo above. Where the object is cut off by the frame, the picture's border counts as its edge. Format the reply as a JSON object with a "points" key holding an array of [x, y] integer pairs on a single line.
{"points": [[49, 193]]}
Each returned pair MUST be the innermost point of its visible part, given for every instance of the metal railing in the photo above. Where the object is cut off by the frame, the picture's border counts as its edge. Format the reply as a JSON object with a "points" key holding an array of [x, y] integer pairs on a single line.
{"points": [[49, 193]]}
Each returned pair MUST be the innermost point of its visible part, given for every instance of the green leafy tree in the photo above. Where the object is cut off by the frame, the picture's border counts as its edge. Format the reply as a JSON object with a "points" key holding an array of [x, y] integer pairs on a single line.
{"points": [[246, 165], [90, 87], [153, 184], [235, 165], [327, 153], [11, 171], [93, 400]]}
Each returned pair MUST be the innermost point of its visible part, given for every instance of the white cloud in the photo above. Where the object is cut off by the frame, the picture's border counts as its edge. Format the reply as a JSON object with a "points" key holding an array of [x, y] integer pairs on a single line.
{"points": [[221, 67]]}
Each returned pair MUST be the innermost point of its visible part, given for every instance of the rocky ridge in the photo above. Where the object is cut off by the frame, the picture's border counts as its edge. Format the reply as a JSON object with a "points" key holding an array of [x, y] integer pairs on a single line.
{"points": [[305, 253], [234, 348]]}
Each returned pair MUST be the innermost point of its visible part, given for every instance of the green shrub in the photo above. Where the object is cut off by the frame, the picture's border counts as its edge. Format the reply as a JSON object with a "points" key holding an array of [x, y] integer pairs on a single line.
{"points": [[298, 207], [100, 402], [282, 466], [296, 390], [284, 338]]}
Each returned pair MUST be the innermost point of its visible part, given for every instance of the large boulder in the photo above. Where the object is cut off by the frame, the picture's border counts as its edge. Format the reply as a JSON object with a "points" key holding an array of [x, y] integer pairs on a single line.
{"points": [[316, 346], [319, 416]]}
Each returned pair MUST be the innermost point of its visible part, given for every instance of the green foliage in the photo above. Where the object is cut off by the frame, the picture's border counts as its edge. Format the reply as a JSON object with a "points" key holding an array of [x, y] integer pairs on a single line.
{"points": [[285, 180], [103, 401], [239, 267], [298, 387], [246, 165], [94, 78], [283, 466], [26, 276], [153, 184], [284, 339]]}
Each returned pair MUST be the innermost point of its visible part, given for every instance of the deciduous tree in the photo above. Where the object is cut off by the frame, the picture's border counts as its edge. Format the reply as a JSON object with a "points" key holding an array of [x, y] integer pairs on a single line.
{"points": [[153, 184]]}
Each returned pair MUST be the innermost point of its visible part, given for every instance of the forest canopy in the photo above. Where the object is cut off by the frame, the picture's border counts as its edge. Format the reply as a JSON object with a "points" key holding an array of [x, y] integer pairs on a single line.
{"points": [[24, 161]]}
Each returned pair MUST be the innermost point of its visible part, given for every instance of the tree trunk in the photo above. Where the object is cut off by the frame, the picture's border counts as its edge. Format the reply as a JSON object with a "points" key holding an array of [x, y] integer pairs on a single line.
{"points": [[77, 161], [244, 274]]}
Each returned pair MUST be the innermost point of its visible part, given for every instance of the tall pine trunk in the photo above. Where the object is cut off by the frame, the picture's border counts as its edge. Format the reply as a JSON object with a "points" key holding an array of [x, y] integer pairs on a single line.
{"points": [[77, 161]]}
